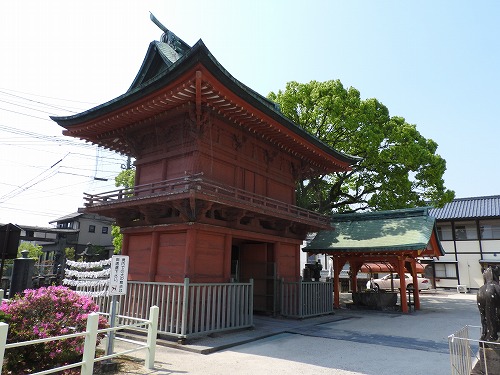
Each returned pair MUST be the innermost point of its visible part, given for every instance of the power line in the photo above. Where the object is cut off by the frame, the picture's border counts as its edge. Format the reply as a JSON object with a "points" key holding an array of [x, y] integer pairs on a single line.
{"points": [[51, 138], [31, 108], [33, 182], [25, 114], [34, 101], [48, 97]]}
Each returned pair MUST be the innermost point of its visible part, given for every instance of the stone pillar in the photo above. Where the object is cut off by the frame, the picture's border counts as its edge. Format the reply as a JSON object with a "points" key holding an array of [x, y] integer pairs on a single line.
{"points": [[22, 274]]}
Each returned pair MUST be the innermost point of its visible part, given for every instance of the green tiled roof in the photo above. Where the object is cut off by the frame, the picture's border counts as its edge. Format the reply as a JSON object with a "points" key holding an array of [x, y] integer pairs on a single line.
{"points": [[387, 231]]}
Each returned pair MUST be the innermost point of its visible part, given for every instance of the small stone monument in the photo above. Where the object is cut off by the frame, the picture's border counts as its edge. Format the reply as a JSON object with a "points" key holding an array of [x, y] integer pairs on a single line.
{"points": [[22, 274]]}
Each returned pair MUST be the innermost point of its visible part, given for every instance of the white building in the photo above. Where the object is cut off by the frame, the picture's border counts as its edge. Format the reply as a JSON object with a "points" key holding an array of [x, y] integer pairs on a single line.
{"points": [[469, 230]]}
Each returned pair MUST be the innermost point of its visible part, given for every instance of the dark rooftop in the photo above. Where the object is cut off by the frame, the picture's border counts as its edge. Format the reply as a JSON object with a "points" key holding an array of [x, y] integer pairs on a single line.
{"points": [[469, 208]]}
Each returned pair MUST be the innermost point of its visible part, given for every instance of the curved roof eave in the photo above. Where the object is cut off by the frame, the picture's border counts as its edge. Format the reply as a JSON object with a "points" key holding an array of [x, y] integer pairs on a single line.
{"points": [[199, 53]]}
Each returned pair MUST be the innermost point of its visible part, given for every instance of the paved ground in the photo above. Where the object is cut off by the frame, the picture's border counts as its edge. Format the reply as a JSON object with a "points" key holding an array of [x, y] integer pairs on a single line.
{"points": [[349, 342]]}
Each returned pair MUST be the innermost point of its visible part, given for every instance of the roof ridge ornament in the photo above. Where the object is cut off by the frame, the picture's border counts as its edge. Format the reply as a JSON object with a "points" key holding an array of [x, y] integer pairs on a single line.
{"points": [[168, 37]]}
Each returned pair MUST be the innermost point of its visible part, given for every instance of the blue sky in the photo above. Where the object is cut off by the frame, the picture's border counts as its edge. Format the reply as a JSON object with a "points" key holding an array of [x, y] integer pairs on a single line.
{"points": [[433, 62]]}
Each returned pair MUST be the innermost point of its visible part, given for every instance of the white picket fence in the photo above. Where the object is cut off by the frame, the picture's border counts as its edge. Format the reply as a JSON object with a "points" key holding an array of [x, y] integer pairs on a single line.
{"points": [[90, 334]]}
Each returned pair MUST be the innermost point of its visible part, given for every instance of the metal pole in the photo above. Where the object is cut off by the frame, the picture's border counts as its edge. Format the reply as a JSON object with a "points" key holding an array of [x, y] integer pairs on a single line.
{"points": [[185, 297], [112, 318]]}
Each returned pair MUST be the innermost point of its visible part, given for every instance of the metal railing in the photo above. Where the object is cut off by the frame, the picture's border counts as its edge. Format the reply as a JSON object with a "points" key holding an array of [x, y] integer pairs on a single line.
{"points": [[304, 299], [211, 189], [188, 309], [468, 354], [91, 332]]}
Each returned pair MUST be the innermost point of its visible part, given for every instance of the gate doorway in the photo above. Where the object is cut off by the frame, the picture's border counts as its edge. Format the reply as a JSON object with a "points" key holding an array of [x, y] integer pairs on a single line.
{"points": [[257, 261]]}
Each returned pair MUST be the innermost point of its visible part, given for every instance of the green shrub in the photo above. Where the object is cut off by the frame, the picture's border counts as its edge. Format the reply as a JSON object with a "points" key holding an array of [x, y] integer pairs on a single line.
{"points": [[41, 313]]}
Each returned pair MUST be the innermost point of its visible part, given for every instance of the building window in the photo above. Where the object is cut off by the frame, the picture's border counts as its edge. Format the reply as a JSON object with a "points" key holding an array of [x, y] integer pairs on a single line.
{"points": [[445, 270], [489, 229], [104, 230], [91, 228], [465, 231], [445, 232]]}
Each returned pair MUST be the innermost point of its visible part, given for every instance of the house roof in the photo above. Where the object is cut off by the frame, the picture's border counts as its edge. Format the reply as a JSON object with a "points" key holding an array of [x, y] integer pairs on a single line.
{"points": [[75, 215], [44, 229], [469, 208], [166, 83], [376, 232], [67, 217]]}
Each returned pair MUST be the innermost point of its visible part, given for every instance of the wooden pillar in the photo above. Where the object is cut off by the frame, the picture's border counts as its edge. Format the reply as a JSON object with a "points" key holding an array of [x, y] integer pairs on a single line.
{"points": [[354, 266], [190, 251], [153, 255], [125, 244], [416, 291], [297, 266], [277, 257], [228, 247], [336, 282], [402, 284]]}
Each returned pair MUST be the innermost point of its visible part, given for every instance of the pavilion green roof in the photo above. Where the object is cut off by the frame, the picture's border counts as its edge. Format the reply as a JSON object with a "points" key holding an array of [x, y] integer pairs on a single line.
{"points": [[383, 231]]}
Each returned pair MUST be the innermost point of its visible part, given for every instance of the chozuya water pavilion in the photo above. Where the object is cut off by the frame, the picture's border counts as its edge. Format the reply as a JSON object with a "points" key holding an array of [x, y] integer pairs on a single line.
{"points": [[216, 169], [393, 238]]}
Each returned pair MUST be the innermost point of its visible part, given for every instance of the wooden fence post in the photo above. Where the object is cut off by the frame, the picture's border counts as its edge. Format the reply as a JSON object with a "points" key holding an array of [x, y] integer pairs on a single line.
{"points": [[4, 328], [152, 333], [90, 344], [184, 312]]}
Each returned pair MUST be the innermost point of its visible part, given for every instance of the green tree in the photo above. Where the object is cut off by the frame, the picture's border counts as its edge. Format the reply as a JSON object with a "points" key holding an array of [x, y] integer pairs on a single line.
{"points": [[117, 239], [34, 251], [126, 179], [69, 253], [399, 167]]}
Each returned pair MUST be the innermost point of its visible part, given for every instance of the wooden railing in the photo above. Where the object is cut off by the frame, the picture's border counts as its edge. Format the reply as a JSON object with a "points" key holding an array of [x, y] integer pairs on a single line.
{"points": [[211, 190]]}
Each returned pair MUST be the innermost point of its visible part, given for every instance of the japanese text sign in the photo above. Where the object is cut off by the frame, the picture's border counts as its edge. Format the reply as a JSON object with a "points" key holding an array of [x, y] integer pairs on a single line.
{"points": [[119, 274]]}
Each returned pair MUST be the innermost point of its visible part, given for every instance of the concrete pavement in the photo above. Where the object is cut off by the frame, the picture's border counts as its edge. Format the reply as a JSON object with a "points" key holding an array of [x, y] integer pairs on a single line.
{"points": [[349, 342]]}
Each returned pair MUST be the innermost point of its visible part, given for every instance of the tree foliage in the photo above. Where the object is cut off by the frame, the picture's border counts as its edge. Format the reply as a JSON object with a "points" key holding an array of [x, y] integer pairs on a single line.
{"points": [[34, 251], [117, 239], [399, 167], [126, 179]]}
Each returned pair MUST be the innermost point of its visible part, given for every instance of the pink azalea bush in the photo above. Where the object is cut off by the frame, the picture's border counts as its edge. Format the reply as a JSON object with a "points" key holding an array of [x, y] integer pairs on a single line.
{"points": [[41, 313]]}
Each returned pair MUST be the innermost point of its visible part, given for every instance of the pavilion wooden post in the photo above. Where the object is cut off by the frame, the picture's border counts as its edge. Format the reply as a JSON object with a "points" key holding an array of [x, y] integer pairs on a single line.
{"points": [[336, 282], [416, 291], [355, 266], [402, 283]]}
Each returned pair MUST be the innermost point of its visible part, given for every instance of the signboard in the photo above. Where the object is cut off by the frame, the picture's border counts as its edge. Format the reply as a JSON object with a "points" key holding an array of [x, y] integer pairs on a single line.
{"points": [[9, 240], [118, 276]]}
